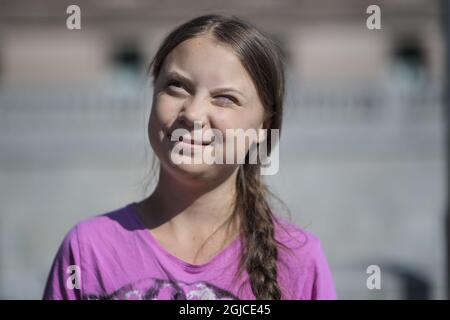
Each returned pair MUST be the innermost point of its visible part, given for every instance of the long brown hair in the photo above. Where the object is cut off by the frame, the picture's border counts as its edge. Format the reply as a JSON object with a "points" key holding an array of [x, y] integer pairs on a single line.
{"points": [[263, 60]]}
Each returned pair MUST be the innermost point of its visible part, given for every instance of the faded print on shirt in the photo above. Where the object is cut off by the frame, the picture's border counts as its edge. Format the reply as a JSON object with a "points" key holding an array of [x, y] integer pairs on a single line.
{"points": [[161, 289]]}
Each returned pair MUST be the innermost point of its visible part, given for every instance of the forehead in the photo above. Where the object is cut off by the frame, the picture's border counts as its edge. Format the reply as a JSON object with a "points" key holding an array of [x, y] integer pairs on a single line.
{"points": [[205, 60]]}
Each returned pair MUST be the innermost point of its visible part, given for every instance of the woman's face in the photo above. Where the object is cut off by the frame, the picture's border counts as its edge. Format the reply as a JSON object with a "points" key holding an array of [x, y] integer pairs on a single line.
{"points": [[202, 85]]}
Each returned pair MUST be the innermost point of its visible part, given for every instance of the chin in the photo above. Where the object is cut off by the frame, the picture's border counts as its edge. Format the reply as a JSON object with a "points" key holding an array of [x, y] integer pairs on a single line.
{"points": [[191, 170]]}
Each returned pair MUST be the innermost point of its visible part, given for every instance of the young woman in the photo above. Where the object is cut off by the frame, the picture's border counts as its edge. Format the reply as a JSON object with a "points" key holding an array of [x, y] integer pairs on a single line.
{"points": [[207, 230]]}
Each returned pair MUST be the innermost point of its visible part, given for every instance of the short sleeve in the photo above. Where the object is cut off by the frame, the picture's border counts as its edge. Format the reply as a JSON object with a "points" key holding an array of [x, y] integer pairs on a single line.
{"points": [[64, 279], [322, 281]]}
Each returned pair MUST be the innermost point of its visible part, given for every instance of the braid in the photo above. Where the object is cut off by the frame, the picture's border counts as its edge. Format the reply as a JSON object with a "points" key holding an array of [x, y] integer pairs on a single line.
{"points": [[260, 253]]}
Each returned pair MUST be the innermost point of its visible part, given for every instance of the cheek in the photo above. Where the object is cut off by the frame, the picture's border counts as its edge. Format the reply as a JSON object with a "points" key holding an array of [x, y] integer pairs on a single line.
{"points": [[166, 109], [231, 119], [163, 113]]}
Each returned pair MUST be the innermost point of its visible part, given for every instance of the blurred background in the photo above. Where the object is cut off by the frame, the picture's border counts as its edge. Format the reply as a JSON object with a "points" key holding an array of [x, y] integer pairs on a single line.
{"points": [[363, 148]]}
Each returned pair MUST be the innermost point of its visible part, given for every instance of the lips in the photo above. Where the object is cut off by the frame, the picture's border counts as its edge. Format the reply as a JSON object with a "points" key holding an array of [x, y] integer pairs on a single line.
{"points": [[190, 141]]}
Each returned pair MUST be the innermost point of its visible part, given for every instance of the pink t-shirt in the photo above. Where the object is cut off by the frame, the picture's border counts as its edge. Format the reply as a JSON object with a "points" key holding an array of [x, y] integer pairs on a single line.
{"points": [[114, 256]]}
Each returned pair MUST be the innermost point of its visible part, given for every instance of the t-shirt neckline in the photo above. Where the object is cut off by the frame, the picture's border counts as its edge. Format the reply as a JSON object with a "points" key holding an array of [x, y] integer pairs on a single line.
{"points": [[148, 236]]}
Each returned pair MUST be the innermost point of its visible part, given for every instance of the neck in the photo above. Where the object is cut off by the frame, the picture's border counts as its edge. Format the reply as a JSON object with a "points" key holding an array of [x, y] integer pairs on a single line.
{"points": [[190, 208]]}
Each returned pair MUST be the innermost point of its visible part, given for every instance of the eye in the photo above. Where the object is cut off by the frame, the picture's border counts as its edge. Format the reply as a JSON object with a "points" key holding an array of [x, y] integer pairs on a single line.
{"points": [[175, 85], [226, 100]]}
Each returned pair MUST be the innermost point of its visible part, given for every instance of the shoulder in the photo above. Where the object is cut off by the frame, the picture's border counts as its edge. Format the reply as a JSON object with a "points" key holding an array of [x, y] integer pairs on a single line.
{"points": [[296, 238], [299, 249], [102, 227], [305, 260]]}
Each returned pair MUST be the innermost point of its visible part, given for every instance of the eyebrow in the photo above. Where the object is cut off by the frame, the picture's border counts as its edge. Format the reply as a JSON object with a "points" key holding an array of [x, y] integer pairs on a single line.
{"points": [[178, 76]]}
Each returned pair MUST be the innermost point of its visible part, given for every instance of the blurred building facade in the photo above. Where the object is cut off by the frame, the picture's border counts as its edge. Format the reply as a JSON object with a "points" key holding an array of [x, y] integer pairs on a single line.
{"points": [[362, 148]]}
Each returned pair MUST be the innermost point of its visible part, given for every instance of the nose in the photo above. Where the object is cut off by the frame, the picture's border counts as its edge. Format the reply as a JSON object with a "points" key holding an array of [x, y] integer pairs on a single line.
{"points": [[194, 110]]}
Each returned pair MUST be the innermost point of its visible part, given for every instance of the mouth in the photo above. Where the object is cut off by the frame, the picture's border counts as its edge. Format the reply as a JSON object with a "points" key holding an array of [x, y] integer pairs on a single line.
{"points": [[190, 141]]}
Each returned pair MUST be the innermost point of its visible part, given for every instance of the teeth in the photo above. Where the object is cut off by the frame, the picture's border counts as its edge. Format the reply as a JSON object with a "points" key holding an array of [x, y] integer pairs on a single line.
{"points": [[196, 142], [187, 140]]}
